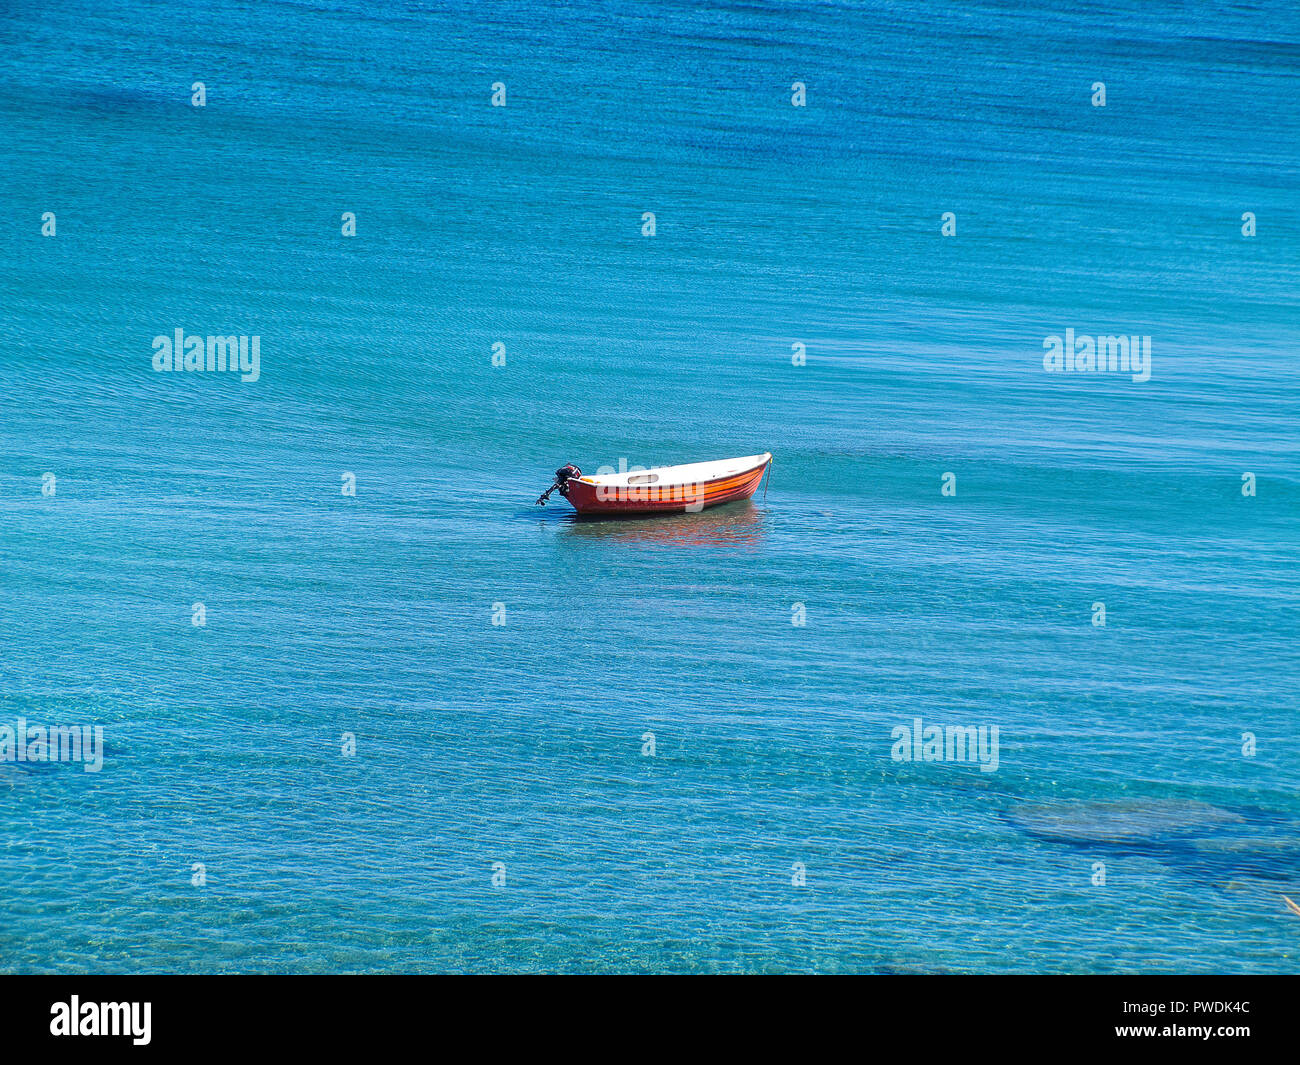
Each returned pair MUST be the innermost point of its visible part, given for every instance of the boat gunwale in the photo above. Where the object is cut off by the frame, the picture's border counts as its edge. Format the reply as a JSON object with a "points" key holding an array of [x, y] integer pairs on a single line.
{"points": [[623, 479]]}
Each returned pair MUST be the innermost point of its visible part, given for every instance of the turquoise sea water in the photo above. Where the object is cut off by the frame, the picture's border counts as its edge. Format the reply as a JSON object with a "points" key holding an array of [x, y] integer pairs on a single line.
{"points": [[522, 743]]}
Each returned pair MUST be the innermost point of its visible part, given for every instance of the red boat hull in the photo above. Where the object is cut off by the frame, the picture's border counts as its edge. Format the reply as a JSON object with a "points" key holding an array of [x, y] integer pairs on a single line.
{"points": [[589, 498]]}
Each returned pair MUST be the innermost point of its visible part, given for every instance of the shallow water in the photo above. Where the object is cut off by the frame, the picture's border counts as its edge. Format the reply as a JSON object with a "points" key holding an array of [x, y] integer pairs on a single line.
{"points": [[522, 743]]}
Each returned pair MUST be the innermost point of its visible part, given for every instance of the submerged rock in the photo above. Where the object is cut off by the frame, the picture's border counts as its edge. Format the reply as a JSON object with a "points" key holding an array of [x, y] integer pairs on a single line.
{"points": [[1120, 822], [1209, 843]]}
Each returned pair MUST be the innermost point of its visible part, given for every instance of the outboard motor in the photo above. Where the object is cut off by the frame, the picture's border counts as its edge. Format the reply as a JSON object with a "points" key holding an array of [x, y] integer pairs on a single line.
{"points": [[562, 475]]}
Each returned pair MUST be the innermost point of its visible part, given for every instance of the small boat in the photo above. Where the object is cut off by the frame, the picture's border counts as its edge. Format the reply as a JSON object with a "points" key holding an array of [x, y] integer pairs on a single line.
{"points": [[661, 489]]}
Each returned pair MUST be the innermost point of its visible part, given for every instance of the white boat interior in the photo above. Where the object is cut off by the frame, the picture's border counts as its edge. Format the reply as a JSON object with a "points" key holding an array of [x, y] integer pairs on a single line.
{"points": [[690, 473]]}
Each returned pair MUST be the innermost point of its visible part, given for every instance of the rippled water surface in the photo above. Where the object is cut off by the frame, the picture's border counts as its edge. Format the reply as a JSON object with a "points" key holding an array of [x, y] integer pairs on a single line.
{"points": [[525, 743]]}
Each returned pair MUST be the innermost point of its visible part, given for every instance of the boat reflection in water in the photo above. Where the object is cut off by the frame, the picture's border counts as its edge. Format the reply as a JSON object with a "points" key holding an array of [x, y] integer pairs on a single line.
{"points": [[730, 525]]}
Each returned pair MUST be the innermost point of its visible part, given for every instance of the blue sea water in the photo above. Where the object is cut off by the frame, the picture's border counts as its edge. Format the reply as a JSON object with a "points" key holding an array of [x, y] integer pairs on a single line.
{"points": [[524, 743]]}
